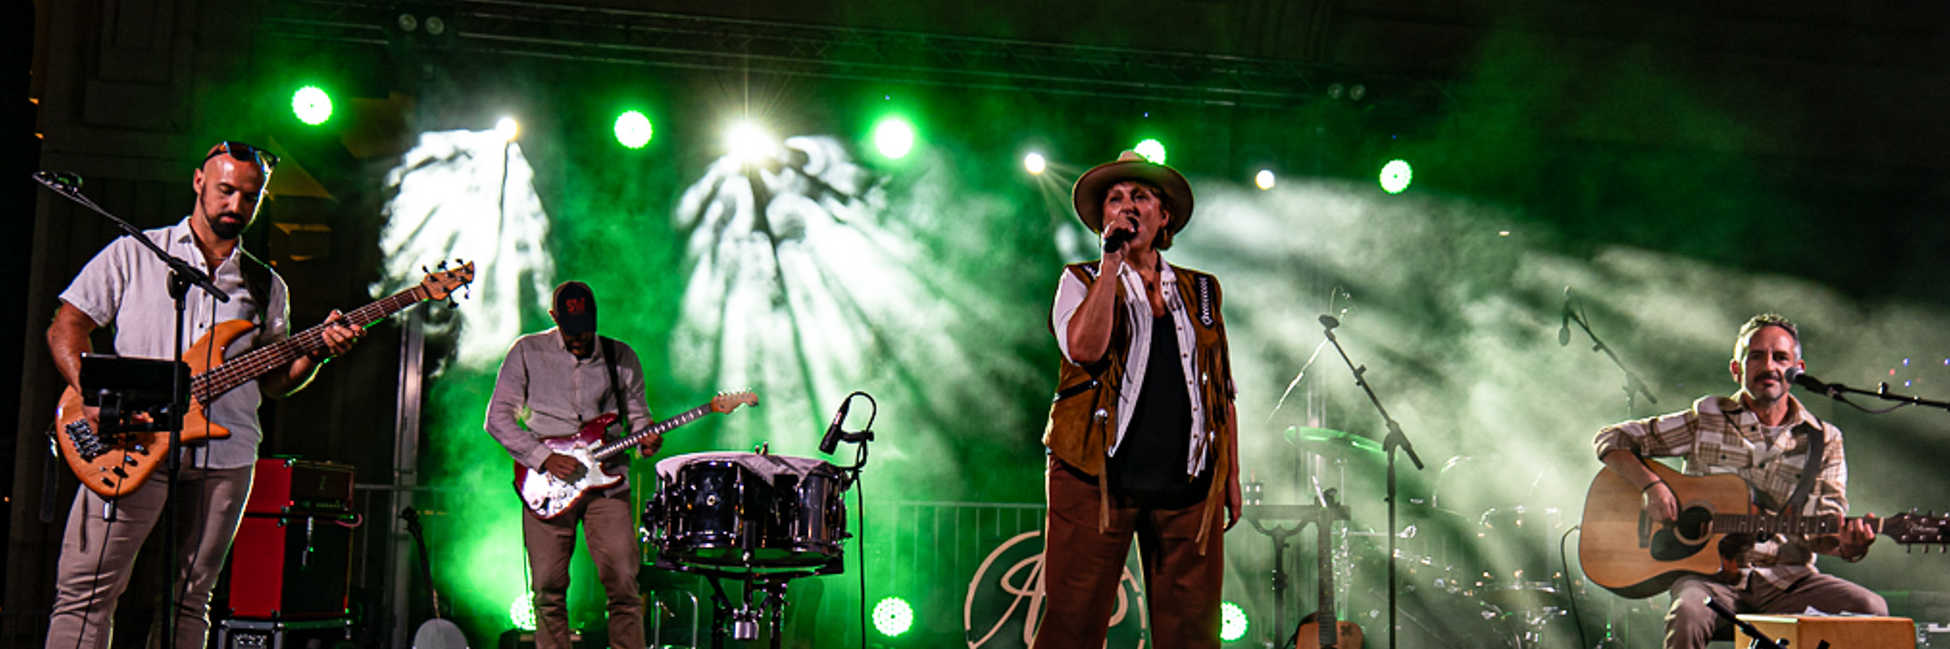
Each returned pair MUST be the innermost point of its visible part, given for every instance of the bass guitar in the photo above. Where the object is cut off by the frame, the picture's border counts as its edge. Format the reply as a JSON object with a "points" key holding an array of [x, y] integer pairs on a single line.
{"points": [[1629, 554], [112, 464], [1319, 630], [548, 496]]}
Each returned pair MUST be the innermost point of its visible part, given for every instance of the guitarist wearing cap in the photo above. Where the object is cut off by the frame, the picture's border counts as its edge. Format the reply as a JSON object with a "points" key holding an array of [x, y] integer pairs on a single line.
{"points": [[126, 287], [550, 384], [1766, 437]]}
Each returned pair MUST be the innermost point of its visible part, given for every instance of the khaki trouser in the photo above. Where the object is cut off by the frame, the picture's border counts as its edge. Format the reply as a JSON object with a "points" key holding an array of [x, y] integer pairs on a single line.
{"points": [[98, 553], [610, 528], [1082, 567], [1690, 624]]}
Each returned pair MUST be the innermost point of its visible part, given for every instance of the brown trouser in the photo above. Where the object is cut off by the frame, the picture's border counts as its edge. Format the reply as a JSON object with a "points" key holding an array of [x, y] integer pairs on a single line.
{"points": [[1082, 566], [608, 525], [98, 553], [1690, 624]]}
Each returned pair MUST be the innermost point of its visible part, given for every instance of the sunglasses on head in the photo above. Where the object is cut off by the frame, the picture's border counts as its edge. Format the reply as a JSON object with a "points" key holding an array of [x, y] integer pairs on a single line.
{"points": [[246, 153]]}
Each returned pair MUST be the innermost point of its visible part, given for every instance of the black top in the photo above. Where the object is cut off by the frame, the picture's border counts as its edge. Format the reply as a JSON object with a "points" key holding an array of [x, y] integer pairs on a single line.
{"points": [[1151, 459]]}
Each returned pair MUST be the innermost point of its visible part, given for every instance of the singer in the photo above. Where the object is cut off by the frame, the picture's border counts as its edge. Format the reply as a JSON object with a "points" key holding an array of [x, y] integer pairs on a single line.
{"points": [[1763, 434], [1142, 434]]}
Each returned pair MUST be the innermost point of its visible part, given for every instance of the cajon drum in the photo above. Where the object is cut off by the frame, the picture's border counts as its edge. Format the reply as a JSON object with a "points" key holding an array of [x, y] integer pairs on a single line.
{"points": [[1840, 632]]}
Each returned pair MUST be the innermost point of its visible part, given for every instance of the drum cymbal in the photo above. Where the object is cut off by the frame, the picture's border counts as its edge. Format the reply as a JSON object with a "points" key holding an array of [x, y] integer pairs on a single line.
{"points": [[1330, 438]]}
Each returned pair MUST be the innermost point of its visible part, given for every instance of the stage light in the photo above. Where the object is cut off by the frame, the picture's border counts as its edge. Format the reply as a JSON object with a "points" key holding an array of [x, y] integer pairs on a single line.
{"points": [[893, 137], [507, 128], [1396, 175], [633, 129], [1035, 164], [312, 105], [1151, 149], [1264, 179], [748, 141], [892, 617], [521, 613], [1233, 623]]}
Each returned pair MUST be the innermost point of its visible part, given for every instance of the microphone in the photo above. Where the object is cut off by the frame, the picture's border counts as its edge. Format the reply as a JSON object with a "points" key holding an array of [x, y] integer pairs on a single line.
{"points": [[832, 439], [1330, 322], [1564, 325], [1795, 376], [1118, 238]]}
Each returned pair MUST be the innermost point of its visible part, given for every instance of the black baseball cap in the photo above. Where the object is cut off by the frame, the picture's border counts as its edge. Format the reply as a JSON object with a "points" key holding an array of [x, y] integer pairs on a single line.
{"points": [[575, 308]]}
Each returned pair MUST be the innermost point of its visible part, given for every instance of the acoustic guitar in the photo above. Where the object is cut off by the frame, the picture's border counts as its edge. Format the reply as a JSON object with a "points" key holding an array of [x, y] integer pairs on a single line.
{"points": [[1319, 630], [1629, 554]]}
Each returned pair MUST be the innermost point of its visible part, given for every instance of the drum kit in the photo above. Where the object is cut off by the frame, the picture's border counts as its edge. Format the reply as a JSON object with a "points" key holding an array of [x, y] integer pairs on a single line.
{"points": [[754, 518], [1473, 568]]}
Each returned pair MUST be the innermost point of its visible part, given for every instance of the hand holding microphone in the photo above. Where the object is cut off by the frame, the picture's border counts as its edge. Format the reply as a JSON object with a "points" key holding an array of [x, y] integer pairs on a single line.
{"points": [[1117, 236]]}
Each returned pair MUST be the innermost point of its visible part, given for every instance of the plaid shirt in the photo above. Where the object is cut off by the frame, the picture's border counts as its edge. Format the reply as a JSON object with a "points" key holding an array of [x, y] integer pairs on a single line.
{"points": [[1720, 435]]}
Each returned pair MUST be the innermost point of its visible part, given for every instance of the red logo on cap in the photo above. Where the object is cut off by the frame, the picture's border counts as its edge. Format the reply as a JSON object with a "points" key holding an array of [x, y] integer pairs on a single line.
{"points": [[575, 306]]}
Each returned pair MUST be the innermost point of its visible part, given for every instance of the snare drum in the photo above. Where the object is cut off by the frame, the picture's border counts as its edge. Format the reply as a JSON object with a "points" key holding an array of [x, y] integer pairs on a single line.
{"points": [[747, 510], [710, 512]]}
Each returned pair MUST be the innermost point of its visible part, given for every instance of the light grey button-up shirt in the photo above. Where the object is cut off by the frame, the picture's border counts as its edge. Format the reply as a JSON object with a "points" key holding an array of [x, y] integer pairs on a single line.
{"points": [[127, 287], [545, 391]]}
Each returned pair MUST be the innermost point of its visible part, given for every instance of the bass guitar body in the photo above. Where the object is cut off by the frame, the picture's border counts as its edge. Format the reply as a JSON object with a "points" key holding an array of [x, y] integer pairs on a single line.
{"points": [[115, 464]]}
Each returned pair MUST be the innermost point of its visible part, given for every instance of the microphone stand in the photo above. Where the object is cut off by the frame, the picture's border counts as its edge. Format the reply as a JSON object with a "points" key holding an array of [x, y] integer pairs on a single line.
{"points": [[1633, 386], [182, 275], [1395, 440], [1836, 391]]}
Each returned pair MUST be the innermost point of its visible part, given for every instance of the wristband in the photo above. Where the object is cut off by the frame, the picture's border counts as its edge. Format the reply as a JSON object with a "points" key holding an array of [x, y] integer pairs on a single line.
{"points": [[1649, 486]]}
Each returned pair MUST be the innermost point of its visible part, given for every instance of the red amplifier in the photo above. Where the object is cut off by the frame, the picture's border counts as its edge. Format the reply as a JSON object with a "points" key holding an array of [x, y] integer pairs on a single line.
{"points": [[286, 485], [285, 567]]}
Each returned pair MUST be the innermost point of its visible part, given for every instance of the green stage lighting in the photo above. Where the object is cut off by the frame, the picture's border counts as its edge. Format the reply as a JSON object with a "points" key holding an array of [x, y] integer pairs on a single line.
{"points": [[633, 129], [1232, 624], [1035, 164], [1396, 175], [312, 105], [892, 617], [894, 137], [521, 613], [1151, 149], [1265, 179]]}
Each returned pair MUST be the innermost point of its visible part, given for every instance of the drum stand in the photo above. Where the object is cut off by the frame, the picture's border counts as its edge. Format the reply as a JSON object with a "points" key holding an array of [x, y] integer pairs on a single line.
{"points": [[763, 601]]}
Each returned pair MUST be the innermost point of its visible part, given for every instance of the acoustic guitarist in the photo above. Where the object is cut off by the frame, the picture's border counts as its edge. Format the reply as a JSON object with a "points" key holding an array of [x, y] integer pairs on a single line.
{"points": [[1765, 436], [127, 287], [550, 384]]}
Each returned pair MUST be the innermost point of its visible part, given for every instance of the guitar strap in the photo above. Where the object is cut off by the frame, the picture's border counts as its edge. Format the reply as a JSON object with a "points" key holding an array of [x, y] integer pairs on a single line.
{"points": [[257, 280], [1810, 470], [615, 386]]}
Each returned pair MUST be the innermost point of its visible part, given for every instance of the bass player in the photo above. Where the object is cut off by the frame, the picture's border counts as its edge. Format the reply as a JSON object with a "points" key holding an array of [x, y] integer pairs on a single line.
{"points": [[126, 287], [550, 384], [1764, 435]]}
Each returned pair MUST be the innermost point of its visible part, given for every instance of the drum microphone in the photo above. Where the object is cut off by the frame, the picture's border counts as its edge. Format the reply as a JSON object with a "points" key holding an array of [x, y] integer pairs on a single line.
{"points": [[831, 441], [62, 180]]}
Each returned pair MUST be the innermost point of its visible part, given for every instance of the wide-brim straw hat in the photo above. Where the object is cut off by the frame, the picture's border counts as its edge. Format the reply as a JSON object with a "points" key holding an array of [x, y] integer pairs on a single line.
{"points": [[1088, 194]]}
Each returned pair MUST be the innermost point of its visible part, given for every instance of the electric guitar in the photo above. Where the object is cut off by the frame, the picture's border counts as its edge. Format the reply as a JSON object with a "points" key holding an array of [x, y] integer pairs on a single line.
{"points": [[112, 464], [548, 496], [1320, 630], [1636, 557]]}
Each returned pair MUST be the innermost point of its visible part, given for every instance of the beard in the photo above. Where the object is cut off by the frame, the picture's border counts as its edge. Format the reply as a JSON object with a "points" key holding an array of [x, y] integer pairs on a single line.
{"points": [[226, 228]]}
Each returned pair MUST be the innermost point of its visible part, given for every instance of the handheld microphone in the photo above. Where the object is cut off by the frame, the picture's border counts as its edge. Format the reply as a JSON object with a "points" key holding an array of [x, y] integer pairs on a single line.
{"points": [[1795, 376], [1118, 238], [1564, 325], [832, 439]]}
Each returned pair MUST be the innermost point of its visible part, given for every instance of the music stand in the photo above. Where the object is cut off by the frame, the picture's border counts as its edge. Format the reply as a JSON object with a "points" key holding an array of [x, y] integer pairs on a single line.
{"points": [[124, 387]]}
